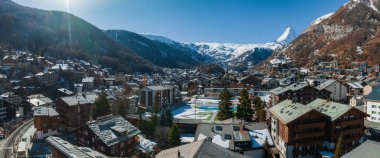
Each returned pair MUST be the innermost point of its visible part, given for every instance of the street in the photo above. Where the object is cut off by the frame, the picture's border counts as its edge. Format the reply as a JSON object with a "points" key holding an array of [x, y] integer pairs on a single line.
{"points": [[7, 146]]}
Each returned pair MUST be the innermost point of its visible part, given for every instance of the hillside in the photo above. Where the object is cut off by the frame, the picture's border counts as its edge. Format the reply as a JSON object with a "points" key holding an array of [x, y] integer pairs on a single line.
{"points": [[162, 52], [349, 35], [62, 35]]}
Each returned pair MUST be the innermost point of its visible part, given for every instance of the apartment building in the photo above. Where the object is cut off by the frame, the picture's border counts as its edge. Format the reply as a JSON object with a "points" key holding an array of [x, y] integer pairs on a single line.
{"points": [[338, 91], [372, 105], [46, 121], [303, 131], [150, 94]]}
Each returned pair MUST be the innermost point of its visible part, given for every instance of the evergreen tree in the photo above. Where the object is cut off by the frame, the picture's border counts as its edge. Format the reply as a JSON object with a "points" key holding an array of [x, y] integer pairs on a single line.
{"points": [[259, 109], [267, 152], [102, 106], [225, 106], [166, 118], [338, 148], [174, 136], [244, 110]]}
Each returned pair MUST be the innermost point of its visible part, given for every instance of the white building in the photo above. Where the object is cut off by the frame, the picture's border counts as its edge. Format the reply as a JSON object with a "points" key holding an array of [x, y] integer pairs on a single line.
{"points": [[88, 83], [337, 89], [372, 105]]}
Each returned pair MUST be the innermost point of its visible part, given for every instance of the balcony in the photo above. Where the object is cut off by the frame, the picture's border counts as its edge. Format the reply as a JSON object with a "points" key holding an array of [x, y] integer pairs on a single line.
{"points": [[310, 125], [314, 142], [310, 134], [351, 131], [350, 122]]}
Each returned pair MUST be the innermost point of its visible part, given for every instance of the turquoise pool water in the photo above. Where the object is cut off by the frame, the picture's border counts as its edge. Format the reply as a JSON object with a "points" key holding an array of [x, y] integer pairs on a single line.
{"points": [[214, 108]]}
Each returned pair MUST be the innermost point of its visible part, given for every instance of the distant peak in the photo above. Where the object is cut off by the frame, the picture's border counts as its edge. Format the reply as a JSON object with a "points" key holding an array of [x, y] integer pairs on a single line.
{"points": [[288, 36]]}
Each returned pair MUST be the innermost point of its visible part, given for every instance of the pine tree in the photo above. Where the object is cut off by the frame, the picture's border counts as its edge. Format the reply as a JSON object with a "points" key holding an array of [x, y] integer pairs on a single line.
{"points": [[338, 148], [225, 106], [244, 110], [166, 119], [102, 106], [259, 109], [174, 136], [267, 152]]}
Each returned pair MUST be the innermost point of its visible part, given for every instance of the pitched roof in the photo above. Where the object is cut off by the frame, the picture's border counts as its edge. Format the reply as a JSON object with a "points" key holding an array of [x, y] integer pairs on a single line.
{"points": [[113, 130], [325, 84], [355, 85], [199, 149], [157, 88], [80, 98], [287, 111], [44, 111], [70, 150], [375, 94], [292, 87], [367, 149], [332, 109], [209, 130]]}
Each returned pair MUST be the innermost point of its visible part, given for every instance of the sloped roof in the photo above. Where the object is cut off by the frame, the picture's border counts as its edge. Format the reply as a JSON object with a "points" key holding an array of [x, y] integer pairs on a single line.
{"points": [[332, 109], [199, 149], [292, 87], [70, 150], [45, 111], [325, 84], [375, 94], [80, 98], [367, 149], [287, 111], [113, 130]]}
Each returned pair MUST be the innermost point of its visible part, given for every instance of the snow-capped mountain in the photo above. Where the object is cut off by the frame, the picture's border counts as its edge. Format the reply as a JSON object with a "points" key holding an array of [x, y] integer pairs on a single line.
{"points": [[225, 52], [287, 37], [317, 21], [158, 38], [230, 53], [348, 35]]}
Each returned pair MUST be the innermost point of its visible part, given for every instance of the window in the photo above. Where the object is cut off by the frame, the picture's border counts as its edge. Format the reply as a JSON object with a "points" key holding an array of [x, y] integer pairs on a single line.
{"points": [[373, 112], [373, 118], [45, 131], [373, 106]]}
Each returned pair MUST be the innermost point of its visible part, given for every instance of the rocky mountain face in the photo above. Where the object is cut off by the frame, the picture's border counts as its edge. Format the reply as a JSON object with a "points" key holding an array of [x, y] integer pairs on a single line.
{"points": [[159, 50], [62, 35], [350, 34]]}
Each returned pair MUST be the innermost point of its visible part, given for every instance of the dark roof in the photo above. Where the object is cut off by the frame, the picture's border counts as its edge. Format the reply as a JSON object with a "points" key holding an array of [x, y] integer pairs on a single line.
{"points": [[70, 150], [113, 130], [375, 94], [199, 149]]}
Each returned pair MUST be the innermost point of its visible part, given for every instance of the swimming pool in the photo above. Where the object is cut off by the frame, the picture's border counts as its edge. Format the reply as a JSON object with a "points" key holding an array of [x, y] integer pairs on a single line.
{"points": [[214, 108]]}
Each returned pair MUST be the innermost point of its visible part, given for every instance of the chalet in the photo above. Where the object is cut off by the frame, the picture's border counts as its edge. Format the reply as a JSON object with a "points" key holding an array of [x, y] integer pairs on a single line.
{"points": [[113, 136], [338, 91], [46, 121], [75, 110], [62, 149], [300, 92], [305, 130]]}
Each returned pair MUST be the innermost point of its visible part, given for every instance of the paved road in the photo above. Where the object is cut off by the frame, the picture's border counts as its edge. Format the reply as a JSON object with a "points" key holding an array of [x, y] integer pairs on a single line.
{"points": [[6, 149]]}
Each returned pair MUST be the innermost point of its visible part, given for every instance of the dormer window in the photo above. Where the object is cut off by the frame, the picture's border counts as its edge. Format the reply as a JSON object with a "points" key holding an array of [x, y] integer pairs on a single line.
{"points": [[218, 128]]}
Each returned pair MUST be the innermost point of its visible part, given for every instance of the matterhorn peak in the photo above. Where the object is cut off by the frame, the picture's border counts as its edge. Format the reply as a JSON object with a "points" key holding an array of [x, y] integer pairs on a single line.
{"points": [[287, 37]]}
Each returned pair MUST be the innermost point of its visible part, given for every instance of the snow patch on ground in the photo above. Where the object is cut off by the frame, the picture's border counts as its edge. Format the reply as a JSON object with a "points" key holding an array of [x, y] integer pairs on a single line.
{"points": [[258, 138], [217, 139]]}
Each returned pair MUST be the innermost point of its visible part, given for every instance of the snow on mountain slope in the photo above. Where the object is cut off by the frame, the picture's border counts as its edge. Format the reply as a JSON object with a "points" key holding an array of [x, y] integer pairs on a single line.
{"points": [[287, 37], [158, 38], [317, 21], [228, 52], [224, 52]]}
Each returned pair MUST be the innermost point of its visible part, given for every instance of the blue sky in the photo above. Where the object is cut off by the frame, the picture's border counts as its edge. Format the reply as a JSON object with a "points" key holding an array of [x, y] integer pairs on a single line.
{"points": [[232, 21]]}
